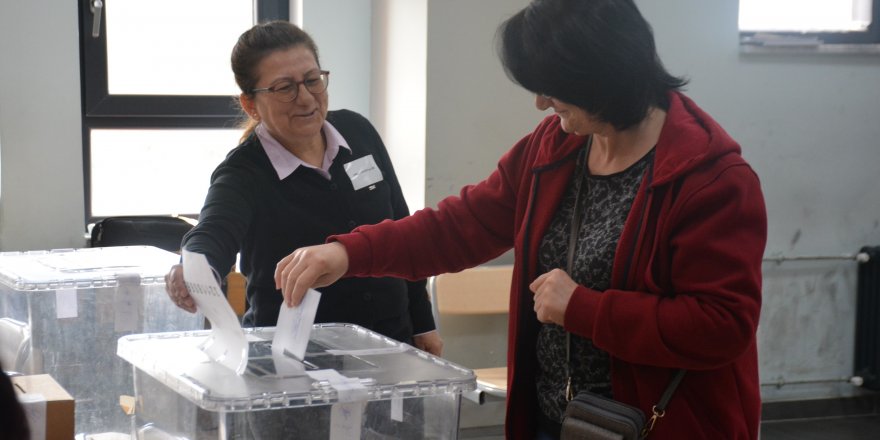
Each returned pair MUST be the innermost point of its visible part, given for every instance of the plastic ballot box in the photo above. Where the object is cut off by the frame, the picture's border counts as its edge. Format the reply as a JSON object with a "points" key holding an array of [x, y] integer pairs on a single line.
{"points": [[62, 312], [352, 384]]}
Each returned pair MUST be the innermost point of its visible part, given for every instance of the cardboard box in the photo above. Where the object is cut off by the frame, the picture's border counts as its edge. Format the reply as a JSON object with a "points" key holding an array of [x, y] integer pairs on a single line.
{"points": [[46, 401]]}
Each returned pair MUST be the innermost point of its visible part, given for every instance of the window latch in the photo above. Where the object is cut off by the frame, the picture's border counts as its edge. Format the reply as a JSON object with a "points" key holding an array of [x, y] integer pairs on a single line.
{"points": [[96, 6]]}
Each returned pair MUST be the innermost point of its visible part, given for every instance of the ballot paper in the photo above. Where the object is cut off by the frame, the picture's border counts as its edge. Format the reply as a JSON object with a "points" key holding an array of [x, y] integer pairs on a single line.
{"points": [[227, 344], [295, 325]]}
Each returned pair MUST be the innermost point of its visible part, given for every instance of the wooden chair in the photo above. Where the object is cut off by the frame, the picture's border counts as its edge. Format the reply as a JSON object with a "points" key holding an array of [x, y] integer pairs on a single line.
{"points": [[15, 353], [483, 290], [236, 287]]}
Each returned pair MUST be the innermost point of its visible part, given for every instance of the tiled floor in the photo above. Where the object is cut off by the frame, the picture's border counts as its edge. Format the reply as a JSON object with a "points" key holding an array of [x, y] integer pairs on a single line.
{"points": [[842, 428]]}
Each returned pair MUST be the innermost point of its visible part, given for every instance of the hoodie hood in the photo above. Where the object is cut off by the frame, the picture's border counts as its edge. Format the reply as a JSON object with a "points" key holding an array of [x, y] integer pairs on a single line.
{"points": [[690, 138]]}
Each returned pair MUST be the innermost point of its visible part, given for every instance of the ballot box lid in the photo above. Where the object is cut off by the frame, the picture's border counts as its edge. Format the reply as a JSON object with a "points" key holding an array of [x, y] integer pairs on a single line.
{"points": [[84, 268], [343, 362]]}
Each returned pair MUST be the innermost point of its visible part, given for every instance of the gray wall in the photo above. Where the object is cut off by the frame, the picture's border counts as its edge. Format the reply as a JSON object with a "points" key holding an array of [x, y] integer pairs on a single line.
{"points": [[341, 28], [41, 204], [474, 113], [808, 125]]}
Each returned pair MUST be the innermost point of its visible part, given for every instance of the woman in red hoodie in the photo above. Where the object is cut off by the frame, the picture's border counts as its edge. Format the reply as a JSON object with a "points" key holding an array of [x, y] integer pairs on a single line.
{"points": [[638, 232]]}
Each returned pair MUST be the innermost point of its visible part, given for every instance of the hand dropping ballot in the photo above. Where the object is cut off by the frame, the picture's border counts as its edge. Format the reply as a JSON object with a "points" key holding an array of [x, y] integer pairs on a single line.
{"points": [[227, 344], [294, 326]]}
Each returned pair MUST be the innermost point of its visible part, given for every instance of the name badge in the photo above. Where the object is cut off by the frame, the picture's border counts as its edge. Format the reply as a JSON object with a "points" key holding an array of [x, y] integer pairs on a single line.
{"points": [[363, 172]]}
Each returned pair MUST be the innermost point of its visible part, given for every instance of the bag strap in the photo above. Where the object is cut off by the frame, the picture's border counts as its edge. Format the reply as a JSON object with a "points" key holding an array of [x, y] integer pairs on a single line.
{"points": [[579, 173], [658, 410], [670, 390]]}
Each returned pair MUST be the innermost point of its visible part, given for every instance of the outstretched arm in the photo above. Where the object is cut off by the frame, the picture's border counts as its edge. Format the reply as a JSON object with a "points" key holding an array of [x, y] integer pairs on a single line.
{"points": [[309, 267]]}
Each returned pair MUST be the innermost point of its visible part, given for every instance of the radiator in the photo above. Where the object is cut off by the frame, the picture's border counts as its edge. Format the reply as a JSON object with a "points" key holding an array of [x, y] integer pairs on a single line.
{"points": [[867, 350]]}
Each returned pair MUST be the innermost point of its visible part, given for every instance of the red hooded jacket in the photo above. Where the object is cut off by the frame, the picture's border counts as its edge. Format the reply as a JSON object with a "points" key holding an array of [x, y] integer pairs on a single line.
{"points": [[686, 278]]}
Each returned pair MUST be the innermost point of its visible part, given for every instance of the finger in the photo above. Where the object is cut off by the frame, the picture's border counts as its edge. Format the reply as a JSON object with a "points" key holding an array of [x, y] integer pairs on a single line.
{"points": [[538, 282], [541, 312], [279, 270], [436, 349], [169, 279], [187, 304], [289, 275], [297, 278], [305, 281]]}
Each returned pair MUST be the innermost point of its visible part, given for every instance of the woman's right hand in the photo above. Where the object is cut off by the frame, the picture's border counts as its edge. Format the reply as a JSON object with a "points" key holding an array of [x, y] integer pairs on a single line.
{"points": [[177, 291], [313, 266]]}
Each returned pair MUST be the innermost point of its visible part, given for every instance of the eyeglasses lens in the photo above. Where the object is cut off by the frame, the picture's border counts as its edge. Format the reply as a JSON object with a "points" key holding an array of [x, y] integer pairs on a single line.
{"points": [[288, 91]]}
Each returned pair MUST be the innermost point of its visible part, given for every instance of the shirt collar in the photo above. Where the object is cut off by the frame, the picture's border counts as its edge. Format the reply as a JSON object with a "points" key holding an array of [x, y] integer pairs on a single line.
{"points": [[285, 162]]}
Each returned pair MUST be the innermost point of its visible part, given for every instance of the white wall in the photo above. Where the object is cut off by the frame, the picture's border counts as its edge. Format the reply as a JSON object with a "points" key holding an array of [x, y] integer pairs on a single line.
{"points": [[341, 28], [41, 206], [399, 47], [474, 113], [808, 125]]}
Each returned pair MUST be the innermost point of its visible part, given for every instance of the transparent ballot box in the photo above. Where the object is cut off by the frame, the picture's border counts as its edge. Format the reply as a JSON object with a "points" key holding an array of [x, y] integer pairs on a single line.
{"points": [[352, 384], [62, 311]]}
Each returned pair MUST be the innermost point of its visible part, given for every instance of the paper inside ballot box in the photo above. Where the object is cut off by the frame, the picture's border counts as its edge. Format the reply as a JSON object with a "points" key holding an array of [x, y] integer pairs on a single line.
{"points": [[48, 405]]}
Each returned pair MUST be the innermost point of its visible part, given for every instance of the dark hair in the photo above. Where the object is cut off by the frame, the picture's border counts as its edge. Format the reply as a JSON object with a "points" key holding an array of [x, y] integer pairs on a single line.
{"points": [[596, 54], [12, 416], [257, 43]]}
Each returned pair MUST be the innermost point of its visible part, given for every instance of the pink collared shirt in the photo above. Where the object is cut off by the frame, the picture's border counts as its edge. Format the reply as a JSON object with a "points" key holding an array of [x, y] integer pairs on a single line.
{"points": [[285, 162]]}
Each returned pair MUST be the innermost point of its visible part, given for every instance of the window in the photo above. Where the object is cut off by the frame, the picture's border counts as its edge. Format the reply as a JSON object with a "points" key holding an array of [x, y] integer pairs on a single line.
{"points": [[809, 23], [159, 99]]}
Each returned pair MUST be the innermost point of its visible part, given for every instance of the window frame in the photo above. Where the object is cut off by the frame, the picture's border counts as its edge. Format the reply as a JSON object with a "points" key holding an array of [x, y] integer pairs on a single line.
{"points": [[101, 110], [871, 36]]}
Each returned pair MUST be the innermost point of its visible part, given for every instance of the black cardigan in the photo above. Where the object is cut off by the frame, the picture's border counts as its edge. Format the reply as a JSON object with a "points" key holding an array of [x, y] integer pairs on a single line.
{"points": [[248, 209]]}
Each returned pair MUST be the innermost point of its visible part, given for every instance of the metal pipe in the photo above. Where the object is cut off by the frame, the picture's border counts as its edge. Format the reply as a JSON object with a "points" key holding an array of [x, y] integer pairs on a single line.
{"points": [[861, 257], [781, 382]]}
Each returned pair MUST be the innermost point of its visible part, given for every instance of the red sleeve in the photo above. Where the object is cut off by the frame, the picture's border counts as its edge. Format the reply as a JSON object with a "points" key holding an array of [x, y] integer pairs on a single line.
{"points": [[463, 231]]}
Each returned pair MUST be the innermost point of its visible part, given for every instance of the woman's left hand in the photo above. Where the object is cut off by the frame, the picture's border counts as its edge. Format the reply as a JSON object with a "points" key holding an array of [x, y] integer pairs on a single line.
{"points": [[430, 342], [552, 292]]}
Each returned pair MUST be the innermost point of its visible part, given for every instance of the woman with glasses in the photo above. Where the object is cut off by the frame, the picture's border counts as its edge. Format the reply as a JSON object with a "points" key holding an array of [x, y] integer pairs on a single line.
{"points": [[300, 174], [638, 229]]}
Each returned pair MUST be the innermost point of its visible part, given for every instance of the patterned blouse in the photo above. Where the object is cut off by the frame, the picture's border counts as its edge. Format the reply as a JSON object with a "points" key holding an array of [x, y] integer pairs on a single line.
{"points": [[604, 204]]}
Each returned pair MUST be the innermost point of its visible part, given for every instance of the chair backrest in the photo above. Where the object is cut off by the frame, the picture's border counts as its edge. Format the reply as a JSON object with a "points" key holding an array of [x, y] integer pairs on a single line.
{"points": [[481, 290], [165, 232], [236, 292], [14, 345], [465, 295]]}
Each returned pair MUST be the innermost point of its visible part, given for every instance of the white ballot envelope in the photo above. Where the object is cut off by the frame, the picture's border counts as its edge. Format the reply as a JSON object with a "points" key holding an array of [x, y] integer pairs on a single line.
{"points": [[295, 325], [227, 344]]}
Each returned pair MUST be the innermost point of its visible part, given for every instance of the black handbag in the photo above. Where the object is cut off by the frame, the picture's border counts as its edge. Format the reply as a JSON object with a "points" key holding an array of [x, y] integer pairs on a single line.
{"points": [[594, 417], [589, 416]]}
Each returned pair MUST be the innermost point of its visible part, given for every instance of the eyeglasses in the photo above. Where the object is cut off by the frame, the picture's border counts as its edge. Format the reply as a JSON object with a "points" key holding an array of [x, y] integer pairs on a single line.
{"points": [[288, 90]]}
